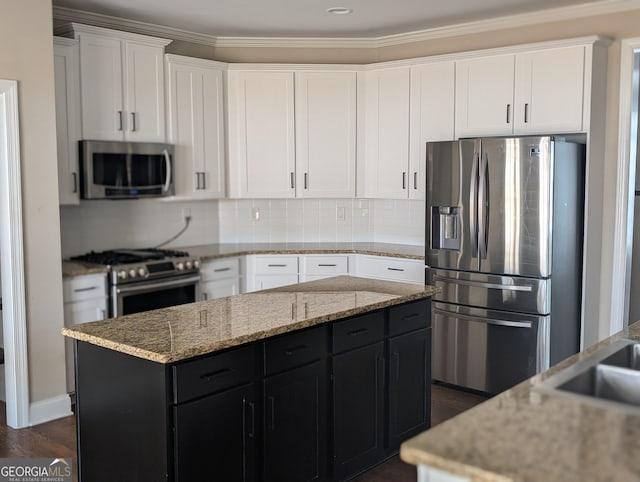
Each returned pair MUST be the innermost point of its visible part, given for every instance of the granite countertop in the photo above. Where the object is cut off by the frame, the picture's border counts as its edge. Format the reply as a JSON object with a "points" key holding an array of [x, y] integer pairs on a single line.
{"points": [[215, 251], [180, 332], [525, 435]]}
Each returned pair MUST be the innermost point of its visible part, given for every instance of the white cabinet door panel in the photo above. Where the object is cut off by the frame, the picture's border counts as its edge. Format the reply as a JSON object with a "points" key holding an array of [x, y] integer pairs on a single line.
{"points": [[262, 146], [102, 89], [550, 90], [484, 96], [325, 134], [144, 97]]}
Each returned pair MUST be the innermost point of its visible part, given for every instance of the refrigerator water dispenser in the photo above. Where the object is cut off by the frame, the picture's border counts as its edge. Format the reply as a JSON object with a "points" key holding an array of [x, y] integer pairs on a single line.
{"points": [[445, 227]]}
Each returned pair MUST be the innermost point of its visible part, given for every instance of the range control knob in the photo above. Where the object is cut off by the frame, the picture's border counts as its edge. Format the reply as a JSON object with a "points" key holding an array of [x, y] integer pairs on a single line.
{"points": [[196, 264], [133, 273], [122, 274], [189, 265], [180, 266], [142, 272]]}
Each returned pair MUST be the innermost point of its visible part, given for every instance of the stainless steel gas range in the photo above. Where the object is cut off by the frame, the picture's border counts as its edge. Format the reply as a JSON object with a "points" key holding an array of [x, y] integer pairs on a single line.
{"points": [[147, 279]]}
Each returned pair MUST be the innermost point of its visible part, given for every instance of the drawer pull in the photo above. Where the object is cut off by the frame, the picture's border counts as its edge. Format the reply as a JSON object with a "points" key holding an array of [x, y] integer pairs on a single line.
{"points": [[210, 375], [291, 351], [327, 265], [277, 265], [395, 269], [271, 401], [220, 270], [357, 332], [252, 407], [89, 288], [412, 315]]}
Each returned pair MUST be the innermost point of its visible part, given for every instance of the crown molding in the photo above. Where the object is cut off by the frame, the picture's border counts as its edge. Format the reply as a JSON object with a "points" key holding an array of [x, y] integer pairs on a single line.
{"points": [[498, 23]]}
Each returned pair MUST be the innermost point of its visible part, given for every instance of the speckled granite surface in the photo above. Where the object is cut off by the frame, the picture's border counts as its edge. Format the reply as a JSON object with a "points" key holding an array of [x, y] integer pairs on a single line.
{"points": [[180, 332], [525, 435], [214, 251], [378, 249]]}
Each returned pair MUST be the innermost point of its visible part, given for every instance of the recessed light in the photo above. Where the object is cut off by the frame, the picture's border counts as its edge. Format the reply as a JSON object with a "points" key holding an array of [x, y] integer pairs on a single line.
{"points": [[340, 10]]}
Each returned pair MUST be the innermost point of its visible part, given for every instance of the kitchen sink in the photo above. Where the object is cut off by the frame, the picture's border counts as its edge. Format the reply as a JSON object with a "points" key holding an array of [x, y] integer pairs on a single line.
{"points": [[610, 377]]}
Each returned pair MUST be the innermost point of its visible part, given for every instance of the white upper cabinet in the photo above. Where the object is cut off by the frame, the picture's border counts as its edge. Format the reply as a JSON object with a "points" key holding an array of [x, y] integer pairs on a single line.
{"points": [[122, 85], [549, 94], [325, 134], [484, 96], [67, 91], [432, 117], [403, 109], [536, 92], [292, 133], [195, 123], [384, 144], [261, 134]]}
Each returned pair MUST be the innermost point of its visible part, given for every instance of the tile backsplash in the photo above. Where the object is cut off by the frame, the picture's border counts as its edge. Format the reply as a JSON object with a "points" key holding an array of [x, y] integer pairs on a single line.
{"points": [[142, 223], [326, 220], [100, 225]]}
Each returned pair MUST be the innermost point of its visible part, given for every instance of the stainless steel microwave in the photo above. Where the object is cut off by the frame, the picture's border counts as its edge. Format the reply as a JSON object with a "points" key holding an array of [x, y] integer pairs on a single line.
{"points": [[125, 170]]}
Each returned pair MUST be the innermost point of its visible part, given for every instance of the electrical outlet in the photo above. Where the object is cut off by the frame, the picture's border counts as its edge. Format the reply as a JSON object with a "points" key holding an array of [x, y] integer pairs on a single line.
{"points": [[340, 214], [186, 213]]}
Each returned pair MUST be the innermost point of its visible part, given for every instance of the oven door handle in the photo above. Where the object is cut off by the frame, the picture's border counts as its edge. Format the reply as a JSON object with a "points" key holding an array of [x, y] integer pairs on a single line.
{"points": [[153, 286]]}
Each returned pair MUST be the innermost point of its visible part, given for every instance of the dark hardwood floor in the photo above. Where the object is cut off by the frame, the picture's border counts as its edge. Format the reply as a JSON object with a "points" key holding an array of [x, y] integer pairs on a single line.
{"points": [[58, 438]]}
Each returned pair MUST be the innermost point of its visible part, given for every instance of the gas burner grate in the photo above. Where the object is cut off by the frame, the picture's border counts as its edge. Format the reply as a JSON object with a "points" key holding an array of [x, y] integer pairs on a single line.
{"points": [[126, 256]]}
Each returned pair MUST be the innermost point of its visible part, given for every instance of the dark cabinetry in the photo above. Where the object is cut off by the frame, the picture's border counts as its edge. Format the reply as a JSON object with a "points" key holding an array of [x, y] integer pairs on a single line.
{"points": [[381, 389], [323, 403]]}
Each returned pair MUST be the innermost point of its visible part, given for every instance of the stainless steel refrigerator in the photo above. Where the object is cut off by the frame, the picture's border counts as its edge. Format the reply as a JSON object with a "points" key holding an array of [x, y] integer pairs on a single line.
{"points": [[504, 222]]}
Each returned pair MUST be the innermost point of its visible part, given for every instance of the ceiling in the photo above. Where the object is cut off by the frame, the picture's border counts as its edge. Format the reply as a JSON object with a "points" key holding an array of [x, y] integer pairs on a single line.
{"points": [[309, 18]]}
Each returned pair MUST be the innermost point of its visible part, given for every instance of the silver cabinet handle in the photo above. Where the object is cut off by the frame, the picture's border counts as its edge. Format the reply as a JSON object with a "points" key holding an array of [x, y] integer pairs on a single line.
{"points": [[204, 180], [306, 180], [88, 288], [395, 269], [327, 264], [133, 122], [197, 181], [508, 113], [415, 180], [404, 180], [120, 120], [277, 265], [75, 182], [526, 113], [293, 181], [220, 270]]}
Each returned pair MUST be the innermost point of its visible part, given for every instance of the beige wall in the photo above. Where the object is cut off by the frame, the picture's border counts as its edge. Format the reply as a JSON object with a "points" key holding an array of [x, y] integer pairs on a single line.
{"points": [[26, 55]]}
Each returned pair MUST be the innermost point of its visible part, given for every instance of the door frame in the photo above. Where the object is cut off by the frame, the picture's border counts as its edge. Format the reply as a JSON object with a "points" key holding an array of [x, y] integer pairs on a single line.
{"points": [[625, 182], [12, 260]]}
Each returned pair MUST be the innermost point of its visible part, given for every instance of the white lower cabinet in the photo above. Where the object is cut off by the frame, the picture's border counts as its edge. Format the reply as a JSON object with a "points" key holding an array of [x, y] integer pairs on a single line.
{"points": [[319, 266], [270, 271], [85, 299], [390, 268], [220, 278]]}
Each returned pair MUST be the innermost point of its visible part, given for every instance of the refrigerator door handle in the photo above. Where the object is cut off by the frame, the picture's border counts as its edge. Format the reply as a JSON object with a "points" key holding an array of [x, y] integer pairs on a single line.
{"points": [[473, 203], [479, 284], [489, 321], [483, 205]]}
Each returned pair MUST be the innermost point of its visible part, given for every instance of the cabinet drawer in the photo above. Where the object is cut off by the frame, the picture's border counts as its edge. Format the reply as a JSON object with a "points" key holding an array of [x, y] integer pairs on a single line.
{"points": [[276, 264], [295, 349], [359, 331], [85, 287], [325, 265], [409, 317], [220, 269], [196, 378], [397, 269]]}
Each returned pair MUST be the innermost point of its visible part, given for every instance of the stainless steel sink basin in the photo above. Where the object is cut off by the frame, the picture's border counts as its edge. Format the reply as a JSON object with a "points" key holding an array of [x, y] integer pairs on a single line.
{"points": [[609, 377]]}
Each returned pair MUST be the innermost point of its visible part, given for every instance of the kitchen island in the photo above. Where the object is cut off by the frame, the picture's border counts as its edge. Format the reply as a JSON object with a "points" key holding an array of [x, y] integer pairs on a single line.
{"points": [[315, 381], [528, 434]]}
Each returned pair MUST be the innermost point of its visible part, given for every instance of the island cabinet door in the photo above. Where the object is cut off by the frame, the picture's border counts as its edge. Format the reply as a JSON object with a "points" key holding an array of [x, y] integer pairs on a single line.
{"points": [[358, 410], [216, 437], [295, 424], [409, 385]]}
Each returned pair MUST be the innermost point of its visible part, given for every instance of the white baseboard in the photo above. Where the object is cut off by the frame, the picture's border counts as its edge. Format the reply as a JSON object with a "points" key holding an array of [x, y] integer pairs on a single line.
{"points": [[49, 409]]}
